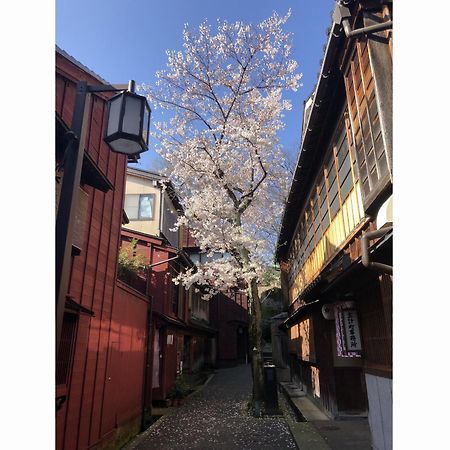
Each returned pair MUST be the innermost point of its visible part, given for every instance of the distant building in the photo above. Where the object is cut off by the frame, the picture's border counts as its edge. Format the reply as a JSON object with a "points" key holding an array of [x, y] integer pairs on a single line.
{"points": [[205, 333], [228, 313], [151, 205], [182, 337]]}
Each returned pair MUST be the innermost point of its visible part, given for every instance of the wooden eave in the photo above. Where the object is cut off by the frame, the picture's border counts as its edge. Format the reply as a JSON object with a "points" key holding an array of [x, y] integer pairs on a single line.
{"points": [[73, 306], [381, 251], [93, 176], [171, 320], [90, 173], [199, 325], [157, 241], [319, 127], [61, 130], [314, 143]]}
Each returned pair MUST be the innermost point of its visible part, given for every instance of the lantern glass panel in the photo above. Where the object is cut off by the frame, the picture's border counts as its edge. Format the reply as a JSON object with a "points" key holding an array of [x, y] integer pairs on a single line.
{"points": [[126, 146], [114, 115], [146, 123], [132, 116]]}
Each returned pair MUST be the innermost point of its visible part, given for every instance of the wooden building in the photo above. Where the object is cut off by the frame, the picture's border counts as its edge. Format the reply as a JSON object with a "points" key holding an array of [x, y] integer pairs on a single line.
{"points": [[101, 359], [228, 314], [335, 245], [182, 338]]}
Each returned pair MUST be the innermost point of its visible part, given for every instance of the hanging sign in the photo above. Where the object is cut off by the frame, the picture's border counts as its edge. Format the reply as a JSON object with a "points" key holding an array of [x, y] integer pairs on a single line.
{"points": [[348, 337], [351, 329]]}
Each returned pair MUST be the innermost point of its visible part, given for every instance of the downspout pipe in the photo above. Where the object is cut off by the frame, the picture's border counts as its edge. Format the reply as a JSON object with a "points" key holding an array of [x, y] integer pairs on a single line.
{"points": [[342, 15], [366, 30], [365, 257]]}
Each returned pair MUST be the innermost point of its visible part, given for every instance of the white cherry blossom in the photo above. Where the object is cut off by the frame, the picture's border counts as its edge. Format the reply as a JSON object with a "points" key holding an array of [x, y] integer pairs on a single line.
{"points": [[224, 92]]}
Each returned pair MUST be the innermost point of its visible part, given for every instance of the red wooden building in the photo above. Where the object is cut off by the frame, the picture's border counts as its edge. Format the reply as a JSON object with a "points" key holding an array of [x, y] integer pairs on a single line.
{"points": [[118, 353], [100, 363], [228, 315], [181, 338]]}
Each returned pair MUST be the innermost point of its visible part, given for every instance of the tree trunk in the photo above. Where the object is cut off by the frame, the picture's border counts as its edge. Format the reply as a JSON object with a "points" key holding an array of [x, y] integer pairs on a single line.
{"points": [[255, 333], [257, 357]]}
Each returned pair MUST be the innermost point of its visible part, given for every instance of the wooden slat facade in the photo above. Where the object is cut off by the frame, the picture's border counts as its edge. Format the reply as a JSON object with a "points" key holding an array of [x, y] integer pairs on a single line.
{"points": [[321, 260], [117, 327], [341, 227]]}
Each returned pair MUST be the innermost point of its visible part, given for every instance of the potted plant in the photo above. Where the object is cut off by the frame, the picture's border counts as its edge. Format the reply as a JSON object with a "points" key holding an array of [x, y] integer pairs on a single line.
{"points": [[179, 391], [131, 264]]}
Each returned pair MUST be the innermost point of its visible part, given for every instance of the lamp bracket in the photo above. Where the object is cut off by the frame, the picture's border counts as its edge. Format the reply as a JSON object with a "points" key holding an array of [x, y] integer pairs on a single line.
{"points": [[104, 89]]}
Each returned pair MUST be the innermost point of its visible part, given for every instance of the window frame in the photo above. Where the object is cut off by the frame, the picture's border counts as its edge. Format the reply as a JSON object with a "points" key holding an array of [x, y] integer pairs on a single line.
{"points": [[369, 150], [65, 355], [139, 217], [307, 218]]}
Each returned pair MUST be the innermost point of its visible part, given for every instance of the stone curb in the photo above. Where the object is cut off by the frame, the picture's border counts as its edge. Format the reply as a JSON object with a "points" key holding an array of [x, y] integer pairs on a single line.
{"points": [[304, 434]]}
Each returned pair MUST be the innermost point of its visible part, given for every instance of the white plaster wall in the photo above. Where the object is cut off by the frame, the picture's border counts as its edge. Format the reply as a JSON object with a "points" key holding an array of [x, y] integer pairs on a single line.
{"points": [[140, 185], [379, 393]]}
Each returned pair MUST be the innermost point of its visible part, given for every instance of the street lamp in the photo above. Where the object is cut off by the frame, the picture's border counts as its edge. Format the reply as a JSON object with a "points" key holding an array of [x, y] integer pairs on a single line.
{"points": [[128, 122], [127, 133]]}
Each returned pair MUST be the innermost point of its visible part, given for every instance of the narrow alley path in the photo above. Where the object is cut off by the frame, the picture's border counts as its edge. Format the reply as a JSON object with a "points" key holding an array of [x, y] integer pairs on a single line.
{"points": [[217, 418]]}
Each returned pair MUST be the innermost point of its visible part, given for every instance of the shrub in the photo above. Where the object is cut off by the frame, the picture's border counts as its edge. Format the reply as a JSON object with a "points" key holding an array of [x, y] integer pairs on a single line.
{"points": [[180, 389], [130, 263]]}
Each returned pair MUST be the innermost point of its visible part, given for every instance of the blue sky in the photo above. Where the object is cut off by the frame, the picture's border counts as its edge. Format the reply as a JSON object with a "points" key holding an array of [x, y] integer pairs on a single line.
{"points": [[122, 40]]}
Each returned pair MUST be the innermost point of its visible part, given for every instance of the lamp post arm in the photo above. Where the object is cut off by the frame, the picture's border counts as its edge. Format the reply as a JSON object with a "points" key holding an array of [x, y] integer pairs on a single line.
{"points": [[104, 88]]}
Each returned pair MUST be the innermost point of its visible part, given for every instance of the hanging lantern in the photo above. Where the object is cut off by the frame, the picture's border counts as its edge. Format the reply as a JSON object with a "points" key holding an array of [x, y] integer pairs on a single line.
{"points": [[128, 123]]}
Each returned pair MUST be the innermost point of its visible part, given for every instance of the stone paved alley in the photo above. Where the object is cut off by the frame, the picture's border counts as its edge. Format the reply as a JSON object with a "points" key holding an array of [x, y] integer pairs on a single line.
{"points": [[216, 418]]}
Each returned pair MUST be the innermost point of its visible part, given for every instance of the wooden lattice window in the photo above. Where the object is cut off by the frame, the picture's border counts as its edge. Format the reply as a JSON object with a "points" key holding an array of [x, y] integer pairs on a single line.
{"points": [[66, 346], [335, 180], [365, 120]]}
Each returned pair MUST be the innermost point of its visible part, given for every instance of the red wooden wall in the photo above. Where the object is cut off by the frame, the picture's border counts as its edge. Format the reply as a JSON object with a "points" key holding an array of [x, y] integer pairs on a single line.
{"points": [[227, 314], [161, 285], [84, 418], [124, 387], [161, 289]]}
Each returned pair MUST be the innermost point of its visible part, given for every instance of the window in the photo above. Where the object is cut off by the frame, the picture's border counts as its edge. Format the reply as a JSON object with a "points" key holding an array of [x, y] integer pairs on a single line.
{"points": [[365, 121], [335, 180], [195, 257], [140, 206], [65, 351]]}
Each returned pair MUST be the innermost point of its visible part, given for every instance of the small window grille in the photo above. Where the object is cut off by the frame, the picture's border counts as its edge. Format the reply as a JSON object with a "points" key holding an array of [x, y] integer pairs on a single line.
{"points": [[66, 346]]}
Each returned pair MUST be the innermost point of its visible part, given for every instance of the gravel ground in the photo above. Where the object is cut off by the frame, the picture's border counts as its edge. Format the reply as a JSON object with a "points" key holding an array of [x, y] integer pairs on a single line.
{"points": [[217, 418]]}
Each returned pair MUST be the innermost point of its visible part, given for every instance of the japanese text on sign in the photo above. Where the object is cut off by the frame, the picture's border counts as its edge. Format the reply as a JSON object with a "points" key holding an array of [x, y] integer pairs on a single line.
{"points": [[351, 328]]}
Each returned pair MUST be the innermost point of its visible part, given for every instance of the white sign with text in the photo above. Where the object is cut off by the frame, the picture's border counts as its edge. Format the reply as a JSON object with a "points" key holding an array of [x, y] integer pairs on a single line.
{"points": [[351, 328]]}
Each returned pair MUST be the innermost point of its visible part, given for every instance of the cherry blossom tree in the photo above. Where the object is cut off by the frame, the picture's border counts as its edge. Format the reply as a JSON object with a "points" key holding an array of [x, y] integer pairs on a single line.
{"points": [[224, 96]]}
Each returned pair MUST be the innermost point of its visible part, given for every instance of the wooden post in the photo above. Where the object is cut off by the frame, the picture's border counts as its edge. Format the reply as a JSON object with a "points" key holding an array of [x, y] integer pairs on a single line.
{"points": [[68, 202]]}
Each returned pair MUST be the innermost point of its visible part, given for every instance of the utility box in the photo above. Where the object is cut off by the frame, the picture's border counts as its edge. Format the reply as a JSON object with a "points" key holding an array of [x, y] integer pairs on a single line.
{"points": [[271, 389]]}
